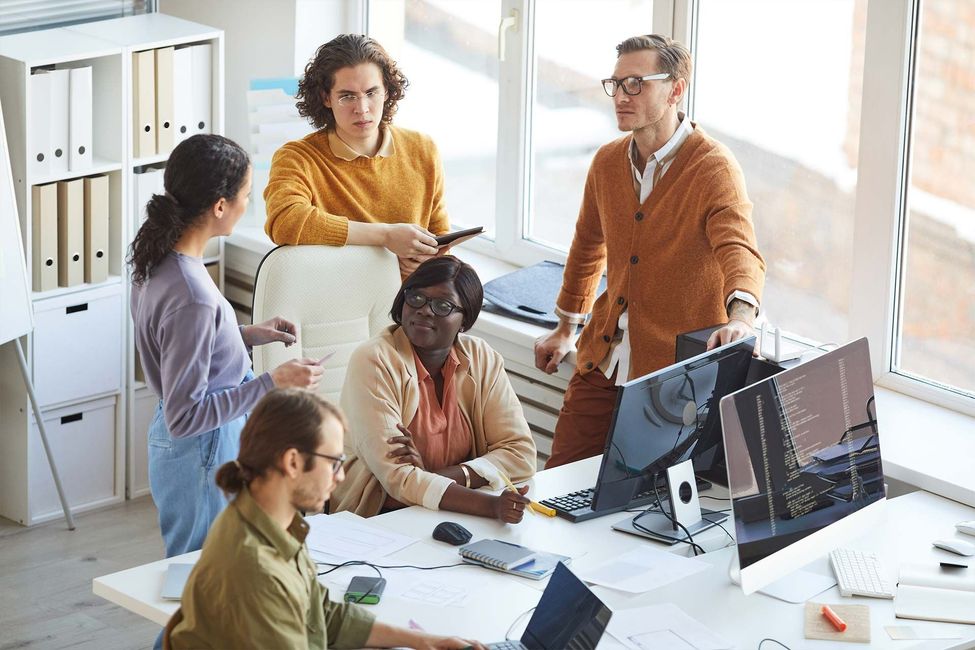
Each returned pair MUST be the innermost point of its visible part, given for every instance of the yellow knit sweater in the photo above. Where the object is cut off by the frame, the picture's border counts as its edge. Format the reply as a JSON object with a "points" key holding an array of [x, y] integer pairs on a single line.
{"points": [[312, 194], [671, 262]]}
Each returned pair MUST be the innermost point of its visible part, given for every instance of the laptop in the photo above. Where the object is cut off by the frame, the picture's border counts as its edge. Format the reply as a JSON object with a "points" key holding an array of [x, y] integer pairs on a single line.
{"points": [[568, 616], [176, 576]]}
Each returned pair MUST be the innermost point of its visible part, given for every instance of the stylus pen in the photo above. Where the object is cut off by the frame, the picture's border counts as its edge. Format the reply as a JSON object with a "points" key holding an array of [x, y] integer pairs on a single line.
{"points": [[831, 616], [534, 506]]}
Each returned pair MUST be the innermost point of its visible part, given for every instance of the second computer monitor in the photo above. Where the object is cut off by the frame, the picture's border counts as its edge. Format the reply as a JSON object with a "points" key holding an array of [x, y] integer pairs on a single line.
{"points": [[661, 419]]}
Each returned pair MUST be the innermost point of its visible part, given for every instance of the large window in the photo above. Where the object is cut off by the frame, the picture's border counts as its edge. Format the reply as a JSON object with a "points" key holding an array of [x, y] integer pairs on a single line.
{"points": [[778, 83], [937, 328]]}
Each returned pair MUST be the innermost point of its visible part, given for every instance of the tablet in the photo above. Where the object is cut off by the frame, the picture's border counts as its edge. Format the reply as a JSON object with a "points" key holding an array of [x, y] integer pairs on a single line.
{"points": [[458, 236]]}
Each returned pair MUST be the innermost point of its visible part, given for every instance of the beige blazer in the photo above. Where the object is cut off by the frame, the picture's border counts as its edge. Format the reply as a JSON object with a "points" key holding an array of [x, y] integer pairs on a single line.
{"points": [[381, 391]]}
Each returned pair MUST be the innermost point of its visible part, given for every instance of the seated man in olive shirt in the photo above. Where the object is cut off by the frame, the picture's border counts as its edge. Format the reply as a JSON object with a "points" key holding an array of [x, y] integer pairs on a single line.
{"points": [[255, 585]]}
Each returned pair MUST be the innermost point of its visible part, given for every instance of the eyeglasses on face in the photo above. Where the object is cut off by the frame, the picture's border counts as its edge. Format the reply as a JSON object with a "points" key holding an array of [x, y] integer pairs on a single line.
{"points": [[630, 85], [336, 460], [347, 100], [438, 306]]}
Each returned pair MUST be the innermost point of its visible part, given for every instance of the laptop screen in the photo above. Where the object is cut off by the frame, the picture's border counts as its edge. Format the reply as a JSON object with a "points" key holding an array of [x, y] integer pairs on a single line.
{"points": [[568, 615]]}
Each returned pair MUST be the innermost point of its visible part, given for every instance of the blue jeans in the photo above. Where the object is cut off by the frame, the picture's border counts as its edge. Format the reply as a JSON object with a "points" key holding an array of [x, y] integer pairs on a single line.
{"points": [[181, 479]]}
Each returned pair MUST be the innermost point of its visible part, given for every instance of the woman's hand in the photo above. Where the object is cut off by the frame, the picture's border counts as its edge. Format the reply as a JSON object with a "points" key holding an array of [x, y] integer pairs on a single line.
{"points": [[298, 373], [409, 240], [407, 453], [275, 329], [509, 506]]}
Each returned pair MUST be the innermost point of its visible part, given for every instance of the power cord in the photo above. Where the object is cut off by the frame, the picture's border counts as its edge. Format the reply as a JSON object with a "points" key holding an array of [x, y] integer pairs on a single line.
{"points": [[376, 568], [698, 550], [773, 641], [507, 635]]}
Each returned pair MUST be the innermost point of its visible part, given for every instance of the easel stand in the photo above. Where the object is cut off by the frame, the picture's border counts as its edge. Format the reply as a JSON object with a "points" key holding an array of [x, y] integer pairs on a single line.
{"points": [[40, 429]]}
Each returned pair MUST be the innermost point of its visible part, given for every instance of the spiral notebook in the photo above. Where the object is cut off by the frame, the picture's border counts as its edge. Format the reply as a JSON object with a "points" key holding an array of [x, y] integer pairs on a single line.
{"points": [[511, 558]]}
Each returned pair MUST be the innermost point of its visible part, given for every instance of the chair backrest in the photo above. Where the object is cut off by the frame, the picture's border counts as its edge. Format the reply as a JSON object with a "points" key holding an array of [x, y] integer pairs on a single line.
{"points": [[337, 296]]}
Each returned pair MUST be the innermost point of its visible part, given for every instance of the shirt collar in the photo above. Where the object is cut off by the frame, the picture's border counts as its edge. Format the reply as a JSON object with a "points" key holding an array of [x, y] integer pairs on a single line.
{"points": [[287, 543], [670, 148], [345, 152], [449, 367]]}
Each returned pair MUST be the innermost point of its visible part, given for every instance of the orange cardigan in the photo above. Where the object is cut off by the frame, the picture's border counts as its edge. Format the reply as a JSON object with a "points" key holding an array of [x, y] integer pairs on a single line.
{"points": [[312, 194], [672, 261]]}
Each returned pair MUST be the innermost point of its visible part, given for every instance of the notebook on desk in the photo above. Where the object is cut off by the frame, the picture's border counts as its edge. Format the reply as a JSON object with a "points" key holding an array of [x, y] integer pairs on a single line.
{"points": [[511, 558]]}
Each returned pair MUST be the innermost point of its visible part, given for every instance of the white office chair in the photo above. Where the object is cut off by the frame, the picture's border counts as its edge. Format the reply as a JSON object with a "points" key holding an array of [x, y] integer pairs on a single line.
{"points": [[337, 297]]}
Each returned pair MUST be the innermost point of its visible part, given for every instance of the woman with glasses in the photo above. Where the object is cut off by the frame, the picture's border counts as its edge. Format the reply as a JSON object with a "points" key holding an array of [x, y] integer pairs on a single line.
{"points": [[432, 416], [357, 179]]}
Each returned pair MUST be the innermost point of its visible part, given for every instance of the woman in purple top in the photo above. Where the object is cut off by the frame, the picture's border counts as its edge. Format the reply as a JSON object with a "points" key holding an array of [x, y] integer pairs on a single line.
{"points": [[194, 355]]}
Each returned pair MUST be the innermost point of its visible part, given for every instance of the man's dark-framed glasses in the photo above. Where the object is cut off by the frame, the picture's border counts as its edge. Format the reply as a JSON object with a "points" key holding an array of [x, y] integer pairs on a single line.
{"points": [[630, 85], [336, 460], [438, 306]]}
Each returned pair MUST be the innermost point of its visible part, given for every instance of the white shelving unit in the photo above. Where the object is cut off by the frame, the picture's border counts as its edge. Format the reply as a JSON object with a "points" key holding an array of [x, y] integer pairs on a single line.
{"points": [[81, 353]]}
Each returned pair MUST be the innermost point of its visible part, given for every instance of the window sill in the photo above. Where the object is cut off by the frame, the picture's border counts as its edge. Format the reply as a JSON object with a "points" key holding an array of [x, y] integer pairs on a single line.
{"points": [[924, 445]]}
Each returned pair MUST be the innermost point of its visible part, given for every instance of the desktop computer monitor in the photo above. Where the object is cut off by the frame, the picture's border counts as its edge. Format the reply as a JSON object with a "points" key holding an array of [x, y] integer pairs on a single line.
{"points": [[663, 419], [803, 455]]}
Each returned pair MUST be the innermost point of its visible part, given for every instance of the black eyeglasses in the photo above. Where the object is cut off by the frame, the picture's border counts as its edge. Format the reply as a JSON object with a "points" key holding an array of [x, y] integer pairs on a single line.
{"points": [[630, 85], [438, 306], [336, 460]]}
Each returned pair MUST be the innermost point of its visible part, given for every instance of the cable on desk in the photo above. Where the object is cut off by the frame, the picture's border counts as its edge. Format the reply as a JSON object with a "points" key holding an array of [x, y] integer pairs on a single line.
{"points": [[507, 635], [376, 567], [718, 524], [773, 641], [690, 539], [708, 496]]}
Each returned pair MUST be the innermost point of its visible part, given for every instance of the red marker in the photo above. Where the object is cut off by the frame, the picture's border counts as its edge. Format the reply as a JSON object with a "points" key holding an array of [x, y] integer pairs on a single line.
{"points": [[831, 616]]}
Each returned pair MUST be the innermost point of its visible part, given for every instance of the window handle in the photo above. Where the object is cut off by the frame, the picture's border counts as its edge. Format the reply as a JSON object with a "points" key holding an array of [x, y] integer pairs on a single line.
{"points": [[508, 22]]}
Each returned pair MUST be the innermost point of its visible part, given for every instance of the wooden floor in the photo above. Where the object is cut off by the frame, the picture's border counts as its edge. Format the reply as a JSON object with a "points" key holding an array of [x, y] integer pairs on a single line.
{"points": [[46, 573]]}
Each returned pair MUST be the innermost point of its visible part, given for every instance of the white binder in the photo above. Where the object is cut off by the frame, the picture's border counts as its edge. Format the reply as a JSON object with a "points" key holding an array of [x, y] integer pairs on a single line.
{"points": [[79, 124], [201, 60], [60, 103], [182, 93], [147, 183], [144, 103], [44, 239], [39, 135], [71, 232], [165, 126], [96, 229]]}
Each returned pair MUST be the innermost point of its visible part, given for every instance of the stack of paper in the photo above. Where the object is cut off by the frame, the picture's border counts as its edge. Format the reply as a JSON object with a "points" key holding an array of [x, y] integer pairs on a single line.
{"points": [[642, 569], [344, 536]]}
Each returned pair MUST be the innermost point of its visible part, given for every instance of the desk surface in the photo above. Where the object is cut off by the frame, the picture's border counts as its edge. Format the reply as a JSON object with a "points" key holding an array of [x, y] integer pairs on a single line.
{"points": [[912, 521]]}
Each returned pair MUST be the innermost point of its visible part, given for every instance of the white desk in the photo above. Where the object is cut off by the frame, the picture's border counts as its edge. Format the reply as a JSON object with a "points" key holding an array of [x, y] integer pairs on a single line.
{"points": [[912, 522]]}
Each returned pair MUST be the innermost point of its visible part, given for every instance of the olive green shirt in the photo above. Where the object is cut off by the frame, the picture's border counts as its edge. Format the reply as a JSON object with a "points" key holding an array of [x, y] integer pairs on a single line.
{"points": [[255, 586]]}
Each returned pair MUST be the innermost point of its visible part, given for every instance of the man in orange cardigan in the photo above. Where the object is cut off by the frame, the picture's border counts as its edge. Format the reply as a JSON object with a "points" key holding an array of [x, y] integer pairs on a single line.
{"points": [[666, 214]]}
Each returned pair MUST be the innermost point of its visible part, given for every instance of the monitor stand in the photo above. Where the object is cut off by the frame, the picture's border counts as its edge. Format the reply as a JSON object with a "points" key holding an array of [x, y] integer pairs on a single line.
{"points": [[657, 526], [797, 587]]}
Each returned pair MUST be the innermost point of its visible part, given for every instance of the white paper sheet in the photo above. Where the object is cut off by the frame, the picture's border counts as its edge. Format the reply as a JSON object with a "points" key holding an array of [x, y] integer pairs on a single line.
{"points": [[642, 569], [338, 538], [663, 627]]}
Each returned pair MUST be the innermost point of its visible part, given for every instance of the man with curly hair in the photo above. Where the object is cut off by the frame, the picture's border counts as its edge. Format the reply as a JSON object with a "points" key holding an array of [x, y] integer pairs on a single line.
{"points": [[358, 179]]}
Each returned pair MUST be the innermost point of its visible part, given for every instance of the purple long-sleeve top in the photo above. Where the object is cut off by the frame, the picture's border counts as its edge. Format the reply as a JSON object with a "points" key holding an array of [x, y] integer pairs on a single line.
{"points": [[191, 349]]}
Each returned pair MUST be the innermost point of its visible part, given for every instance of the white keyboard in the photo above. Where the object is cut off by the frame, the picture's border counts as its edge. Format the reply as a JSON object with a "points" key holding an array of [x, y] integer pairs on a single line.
{"points": [[859, 574]]}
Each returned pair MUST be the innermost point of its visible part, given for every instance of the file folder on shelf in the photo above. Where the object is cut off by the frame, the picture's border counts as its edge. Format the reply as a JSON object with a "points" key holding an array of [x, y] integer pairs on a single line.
{"points": [[44, 237], [59, 119], [79, 120], [96, 229], [182, 93], [144, 103], [201, 103], [71, 232], [165, 126], [39, 127], [147, 183]]}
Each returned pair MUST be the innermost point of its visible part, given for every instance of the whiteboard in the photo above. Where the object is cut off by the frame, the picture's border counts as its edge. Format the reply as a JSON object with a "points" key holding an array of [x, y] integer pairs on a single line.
{"points": [[16, 314]]}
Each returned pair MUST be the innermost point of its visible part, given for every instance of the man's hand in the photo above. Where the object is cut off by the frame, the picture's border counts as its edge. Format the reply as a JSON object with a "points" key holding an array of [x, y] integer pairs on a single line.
{"points": [[551, 348], [275, 329], [733, 331], [407, 453], [432, 642], [409, 240]]}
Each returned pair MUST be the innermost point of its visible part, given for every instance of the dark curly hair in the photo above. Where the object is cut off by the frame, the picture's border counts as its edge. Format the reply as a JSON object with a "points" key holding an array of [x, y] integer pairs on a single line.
{"points": [[200, 171], [436, 271], [346, 51]]}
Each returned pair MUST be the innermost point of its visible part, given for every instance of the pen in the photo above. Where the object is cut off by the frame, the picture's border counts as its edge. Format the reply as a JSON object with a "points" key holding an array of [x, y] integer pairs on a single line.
{"points": [[831, 616], [534, 506]]}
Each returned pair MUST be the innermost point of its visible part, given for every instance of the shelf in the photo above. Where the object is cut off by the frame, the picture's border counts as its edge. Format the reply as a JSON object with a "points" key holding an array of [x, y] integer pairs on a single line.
{"points": [[207, 261], [57, 46], [150, 160], [147, 31], [99, 166], [78, 288]]}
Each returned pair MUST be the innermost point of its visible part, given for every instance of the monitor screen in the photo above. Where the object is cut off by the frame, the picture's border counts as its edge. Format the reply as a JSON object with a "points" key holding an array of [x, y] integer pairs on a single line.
{"points": [[802, 450], [666, 418]]}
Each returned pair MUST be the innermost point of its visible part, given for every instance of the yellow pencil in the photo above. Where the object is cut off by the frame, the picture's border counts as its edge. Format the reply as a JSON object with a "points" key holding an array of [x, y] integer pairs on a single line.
{"points": [[534, 506]]}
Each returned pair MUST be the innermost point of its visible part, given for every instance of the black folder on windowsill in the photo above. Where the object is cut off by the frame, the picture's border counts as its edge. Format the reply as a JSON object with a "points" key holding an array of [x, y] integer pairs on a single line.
{"points": [[529, 294]]}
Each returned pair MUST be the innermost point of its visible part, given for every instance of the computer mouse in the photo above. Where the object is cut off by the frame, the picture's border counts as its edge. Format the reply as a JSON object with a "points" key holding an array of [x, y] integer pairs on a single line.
{"points": [[451, 533], [967, 527], [955, 546]]}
